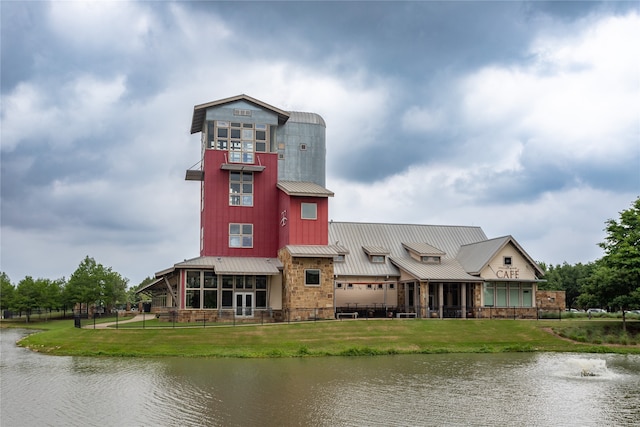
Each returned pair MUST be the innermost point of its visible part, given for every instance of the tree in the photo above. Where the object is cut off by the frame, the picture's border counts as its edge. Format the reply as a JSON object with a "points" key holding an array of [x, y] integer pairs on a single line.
{"points": [[93, 283], [6, 291], [616, 279], [568, 278], [134, 298], [29, 295]]}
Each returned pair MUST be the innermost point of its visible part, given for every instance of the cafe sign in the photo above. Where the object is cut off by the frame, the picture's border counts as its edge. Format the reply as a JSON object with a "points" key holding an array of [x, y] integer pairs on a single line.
{"points": [[510, 273]]}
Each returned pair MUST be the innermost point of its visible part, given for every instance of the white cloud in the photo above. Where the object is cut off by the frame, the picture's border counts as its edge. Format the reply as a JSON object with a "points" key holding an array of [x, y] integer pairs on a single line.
{"points": [[578, 100], [101, 25]]}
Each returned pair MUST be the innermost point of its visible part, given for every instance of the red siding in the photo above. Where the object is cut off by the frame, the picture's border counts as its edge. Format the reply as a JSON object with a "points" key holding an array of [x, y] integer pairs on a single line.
{"points": [[305, 231], [284, 214], [217, 214]]}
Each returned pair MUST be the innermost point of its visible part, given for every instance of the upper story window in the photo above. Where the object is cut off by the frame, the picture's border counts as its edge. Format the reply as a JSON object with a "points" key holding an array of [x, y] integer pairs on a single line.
{"points": [[240, 140], [507, 260], [240, 235], [430, 259], [309, 211], [240, 188]]}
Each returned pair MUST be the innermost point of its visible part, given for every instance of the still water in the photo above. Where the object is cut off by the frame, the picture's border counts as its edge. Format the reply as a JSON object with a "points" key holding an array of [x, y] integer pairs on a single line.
{"points": [[530, 389]]}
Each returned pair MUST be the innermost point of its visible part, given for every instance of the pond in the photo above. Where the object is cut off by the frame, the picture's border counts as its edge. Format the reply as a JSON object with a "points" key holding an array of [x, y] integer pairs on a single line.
{"points": [[405, 390]]}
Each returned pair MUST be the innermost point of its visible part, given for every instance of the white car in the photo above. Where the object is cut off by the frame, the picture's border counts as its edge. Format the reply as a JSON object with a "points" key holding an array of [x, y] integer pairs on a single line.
{"points": [[596, 310]]}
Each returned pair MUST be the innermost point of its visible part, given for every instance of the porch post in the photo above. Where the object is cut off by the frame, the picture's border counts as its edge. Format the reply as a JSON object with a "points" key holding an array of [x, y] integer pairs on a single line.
{"points": [[441, 298], [463, 299]]}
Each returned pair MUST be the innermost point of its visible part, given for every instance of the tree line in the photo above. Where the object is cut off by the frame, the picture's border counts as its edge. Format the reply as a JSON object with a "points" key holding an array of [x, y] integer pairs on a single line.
{"points": [[611, 282], [91, 284]]}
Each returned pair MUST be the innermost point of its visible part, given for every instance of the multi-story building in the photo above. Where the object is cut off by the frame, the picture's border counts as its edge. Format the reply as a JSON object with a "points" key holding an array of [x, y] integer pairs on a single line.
{"points": [[268, 249]]}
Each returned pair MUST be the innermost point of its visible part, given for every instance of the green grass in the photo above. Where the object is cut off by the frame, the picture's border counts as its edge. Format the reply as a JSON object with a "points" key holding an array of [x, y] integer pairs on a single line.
{"points": [[331, 338]]}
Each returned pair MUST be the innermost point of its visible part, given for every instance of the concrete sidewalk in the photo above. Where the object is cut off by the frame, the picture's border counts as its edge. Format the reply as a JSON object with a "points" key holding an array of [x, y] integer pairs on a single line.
{"points": [[137, 318]]}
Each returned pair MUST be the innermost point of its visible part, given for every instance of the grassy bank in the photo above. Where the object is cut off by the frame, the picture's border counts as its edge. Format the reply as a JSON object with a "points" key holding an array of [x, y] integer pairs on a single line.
{"points": [[332, 338]]}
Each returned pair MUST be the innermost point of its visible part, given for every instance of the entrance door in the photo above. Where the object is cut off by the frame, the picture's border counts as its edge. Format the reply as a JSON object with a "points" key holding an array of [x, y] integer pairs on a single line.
{"points": [[244, 304]]}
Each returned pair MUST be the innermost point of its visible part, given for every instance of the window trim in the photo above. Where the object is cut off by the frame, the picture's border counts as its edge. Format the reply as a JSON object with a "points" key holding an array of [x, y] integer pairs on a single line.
{"points": [[242, 236], [307, 216], [241, 194], [307, 271]]}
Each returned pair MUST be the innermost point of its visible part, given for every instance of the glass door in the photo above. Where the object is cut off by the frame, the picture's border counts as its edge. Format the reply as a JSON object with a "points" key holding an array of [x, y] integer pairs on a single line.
{"points": [[244, 304]]}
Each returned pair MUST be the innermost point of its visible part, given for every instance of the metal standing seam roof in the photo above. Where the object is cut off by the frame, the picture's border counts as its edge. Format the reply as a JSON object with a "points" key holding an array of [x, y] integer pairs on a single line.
{"points": [[375, 250], [474, 257], [423, 249], [200, 111], [314, 251], [304, 189], [230, 265], [354, 236], [448, 270], [309, 118]]}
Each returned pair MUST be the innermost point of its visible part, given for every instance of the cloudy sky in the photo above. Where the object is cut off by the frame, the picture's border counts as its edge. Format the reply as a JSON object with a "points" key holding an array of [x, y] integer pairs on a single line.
{"points": [[519, 117]]}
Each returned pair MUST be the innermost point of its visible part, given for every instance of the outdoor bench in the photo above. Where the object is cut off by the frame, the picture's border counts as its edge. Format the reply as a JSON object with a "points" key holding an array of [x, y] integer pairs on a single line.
{"points": [[399, 315], [353, 315]]}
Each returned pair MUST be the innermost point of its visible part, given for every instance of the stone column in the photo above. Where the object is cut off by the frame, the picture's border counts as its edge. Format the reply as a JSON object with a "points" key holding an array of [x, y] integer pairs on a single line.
{"points": [[441, 299], [463, 299]]}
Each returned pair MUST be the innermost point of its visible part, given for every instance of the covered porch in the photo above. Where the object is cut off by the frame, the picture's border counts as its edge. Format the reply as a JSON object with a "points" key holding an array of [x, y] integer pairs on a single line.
{"points": [[439, 300]]}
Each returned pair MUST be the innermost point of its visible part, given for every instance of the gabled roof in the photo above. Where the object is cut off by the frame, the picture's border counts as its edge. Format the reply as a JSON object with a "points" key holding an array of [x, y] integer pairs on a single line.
{"points": [[448, 270], [475, 257], [229, 265], [355, 235], [303, 189], [200, 111], [375, 250], [422, 249]]}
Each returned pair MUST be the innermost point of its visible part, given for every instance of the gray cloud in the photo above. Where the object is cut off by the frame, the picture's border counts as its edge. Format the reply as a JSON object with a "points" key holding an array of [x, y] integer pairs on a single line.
{"points": [[446, 104]]}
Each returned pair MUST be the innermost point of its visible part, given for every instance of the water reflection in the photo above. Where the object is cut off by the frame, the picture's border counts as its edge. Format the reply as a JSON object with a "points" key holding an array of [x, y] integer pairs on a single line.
{"points": [[476, 389]]}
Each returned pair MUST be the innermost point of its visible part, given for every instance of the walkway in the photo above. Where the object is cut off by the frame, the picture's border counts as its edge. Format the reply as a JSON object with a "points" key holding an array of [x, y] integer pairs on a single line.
{"points": [[137, 318]]}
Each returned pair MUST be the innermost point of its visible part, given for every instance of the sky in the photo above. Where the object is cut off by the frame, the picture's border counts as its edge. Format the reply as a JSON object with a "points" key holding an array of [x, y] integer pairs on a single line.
{"points": [[522, 118]]}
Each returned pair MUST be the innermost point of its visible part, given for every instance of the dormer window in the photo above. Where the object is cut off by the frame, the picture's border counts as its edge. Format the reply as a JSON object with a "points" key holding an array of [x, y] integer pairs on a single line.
{"points": [[338, 258], [376, 254], [430, 259]]}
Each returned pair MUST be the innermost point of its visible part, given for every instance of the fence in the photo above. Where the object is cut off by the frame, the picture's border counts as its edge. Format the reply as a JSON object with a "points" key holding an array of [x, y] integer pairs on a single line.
{"points": [[190, 318]]}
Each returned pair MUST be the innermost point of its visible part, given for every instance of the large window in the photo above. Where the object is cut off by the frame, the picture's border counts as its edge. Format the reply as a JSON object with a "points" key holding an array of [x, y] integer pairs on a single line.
{"points": [[240, 188], [240, 235], [512, 294], [241, 140], [244, 284], [201, 289]]}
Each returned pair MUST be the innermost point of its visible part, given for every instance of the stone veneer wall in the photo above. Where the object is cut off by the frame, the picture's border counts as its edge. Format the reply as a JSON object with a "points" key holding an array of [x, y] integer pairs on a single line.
{"points": [[551, 300], [300, 302]]}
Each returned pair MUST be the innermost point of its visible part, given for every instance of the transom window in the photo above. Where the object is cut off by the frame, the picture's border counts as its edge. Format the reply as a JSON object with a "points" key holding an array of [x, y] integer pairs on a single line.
{"points": [[241, 140], [240, 188], [309, 210], [240, 235]]}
